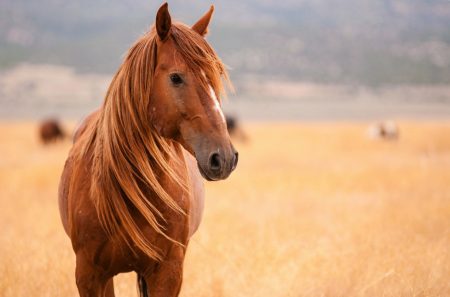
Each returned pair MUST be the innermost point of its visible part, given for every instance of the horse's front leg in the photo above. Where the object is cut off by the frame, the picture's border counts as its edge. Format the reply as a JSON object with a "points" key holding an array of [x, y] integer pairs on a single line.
{"points": [[91, 281], [166, 279]]}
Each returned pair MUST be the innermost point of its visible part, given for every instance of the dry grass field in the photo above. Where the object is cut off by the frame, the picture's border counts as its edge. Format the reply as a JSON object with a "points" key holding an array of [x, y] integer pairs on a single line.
{"points": [[314, 209]]}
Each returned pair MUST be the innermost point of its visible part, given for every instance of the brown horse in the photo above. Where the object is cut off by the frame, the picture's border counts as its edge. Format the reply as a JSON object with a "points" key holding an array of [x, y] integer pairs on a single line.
{"points": [[131, 193], [50, 131], [234, 128]]}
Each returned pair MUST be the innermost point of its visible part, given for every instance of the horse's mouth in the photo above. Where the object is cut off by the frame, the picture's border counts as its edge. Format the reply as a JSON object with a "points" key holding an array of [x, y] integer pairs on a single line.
{"points": [[205, 175]]}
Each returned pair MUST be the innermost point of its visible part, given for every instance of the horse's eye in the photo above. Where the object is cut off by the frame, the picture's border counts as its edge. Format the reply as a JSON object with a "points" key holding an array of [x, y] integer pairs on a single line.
{"points": [[176, 79]]}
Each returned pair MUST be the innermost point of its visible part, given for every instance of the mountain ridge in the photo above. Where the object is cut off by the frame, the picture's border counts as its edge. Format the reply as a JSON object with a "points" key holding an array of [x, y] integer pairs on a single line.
{"points": [[367, 42]]}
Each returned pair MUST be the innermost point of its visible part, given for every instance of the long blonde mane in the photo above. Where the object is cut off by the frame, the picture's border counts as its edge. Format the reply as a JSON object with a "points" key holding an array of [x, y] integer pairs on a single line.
{"points": [[125, 149]]}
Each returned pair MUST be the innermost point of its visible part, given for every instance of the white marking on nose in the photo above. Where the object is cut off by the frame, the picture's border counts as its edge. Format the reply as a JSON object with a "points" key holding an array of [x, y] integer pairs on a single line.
{"points": [[216, 102]]}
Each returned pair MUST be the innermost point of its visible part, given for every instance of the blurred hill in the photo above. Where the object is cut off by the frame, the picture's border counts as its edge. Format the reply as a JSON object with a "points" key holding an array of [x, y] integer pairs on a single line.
{"points": [[368, 42]]}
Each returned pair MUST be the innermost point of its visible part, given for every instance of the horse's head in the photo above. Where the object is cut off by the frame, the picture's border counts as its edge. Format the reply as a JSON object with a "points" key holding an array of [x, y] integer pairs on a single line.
{"points": [[184, 104]]}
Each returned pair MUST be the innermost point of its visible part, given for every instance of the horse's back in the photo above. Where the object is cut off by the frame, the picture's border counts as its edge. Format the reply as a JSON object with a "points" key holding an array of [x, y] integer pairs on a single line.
{"points": [[63, 192]]}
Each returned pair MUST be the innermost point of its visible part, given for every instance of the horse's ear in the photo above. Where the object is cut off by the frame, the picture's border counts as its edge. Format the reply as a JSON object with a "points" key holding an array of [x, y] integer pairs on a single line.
{"points": [[201, 27], [163, 22]]}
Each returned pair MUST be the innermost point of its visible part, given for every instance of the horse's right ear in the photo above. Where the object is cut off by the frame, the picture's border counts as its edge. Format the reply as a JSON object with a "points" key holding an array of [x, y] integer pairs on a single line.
{"points": [[163, 22]]}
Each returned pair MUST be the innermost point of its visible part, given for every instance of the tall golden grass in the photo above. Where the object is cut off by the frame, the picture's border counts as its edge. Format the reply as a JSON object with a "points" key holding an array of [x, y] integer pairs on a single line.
{"points": [[314, 209]]}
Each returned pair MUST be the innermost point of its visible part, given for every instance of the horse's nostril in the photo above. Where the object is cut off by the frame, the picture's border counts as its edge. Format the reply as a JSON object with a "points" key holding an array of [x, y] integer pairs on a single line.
{"points": [[235, 161], [214, 162]]}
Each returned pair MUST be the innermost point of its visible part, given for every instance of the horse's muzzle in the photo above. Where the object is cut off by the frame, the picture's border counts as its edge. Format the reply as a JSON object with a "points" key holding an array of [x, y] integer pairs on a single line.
{"points": [[219, 165]]}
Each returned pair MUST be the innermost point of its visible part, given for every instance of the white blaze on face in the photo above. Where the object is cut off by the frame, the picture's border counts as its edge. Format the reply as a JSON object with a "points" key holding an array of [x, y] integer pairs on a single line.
{"points": [[216, 103], [213, 97]]}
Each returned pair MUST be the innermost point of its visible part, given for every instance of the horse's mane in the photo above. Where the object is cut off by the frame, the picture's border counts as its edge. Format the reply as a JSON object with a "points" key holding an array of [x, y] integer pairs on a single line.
{"points": [[124, 148]]}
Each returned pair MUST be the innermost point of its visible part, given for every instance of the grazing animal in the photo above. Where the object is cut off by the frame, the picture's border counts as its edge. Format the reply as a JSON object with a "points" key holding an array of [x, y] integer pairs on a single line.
{"points": [[50, 131], [231, 123], [387, 130], [235, 128], [131, 192]]}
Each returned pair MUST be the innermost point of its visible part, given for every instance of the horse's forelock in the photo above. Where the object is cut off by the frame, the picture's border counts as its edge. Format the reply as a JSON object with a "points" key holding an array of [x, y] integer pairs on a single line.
{"points": [[200, 58]]}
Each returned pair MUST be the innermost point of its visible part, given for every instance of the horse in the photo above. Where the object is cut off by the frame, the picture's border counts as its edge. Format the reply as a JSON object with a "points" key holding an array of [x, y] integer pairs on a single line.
{"points": [[131, 192], [232, 123], [235, 128], [387, 130], [50, 131]]}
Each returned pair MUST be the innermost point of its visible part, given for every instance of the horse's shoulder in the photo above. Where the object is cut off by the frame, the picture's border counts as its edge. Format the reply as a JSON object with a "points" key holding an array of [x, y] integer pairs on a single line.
{"points": [[75, 169]]}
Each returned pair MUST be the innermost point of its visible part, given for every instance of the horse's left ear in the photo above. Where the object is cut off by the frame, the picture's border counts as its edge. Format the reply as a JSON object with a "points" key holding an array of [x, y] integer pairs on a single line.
{"points": [[201, 27], [163, 22]]}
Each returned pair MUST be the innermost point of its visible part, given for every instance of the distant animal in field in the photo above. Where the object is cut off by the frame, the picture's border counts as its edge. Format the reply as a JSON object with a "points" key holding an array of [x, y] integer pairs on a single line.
{"points": [[50, 131], [387, 130], [235, 128], [131, 194]]}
